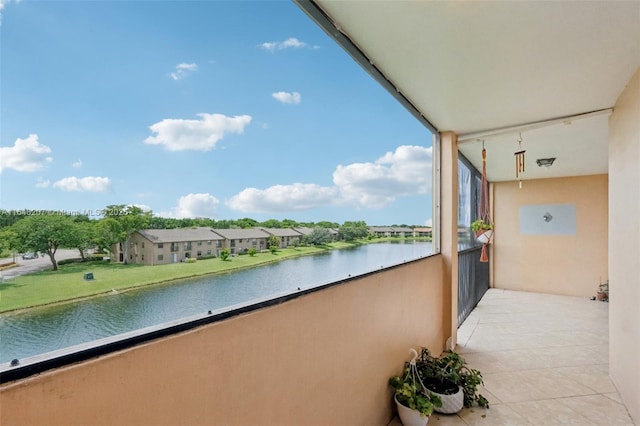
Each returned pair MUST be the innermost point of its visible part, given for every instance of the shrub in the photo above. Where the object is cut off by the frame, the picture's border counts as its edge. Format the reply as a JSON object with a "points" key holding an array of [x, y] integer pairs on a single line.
{"points": [[224, 254], [69, 261]]}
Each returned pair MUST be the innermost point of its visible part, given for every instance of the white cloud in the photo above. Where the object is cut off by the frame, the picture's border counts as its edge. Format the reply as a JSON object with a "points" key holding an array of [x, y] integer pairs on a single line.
{"points": [[192, 206], [429, 223], [199, 135], [287, 98], [182, 70], [3, 3], [281, 198], [290, 43], [77, 164], [26, 155], [85, 184], [42, 183], [407, 171], [143, 207]]}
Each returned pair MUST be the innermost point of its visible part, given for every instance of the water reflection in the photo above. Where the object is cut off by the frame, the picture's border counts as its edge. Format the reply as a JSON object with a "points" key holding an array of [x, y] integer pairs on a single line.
{"points": [[48, 328]]}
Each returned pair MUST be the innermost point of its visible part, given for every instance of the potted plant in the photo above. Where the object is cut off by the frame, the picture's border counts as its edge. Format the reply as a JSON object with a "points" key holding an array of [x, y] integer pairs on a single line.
{"points": [[603, 292], [413, 403], [449, 377], [483, 230]]}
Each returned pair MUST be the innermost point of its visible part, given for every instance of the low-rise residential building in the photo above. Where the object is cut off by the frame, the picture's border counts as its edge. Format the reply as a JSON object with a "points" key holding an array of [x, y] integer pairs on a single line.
{"points": [[391, 231], [288, 236], [239, 241], [402, 231], [422, 231], [306, 231], [161, 246], [381, 231]]}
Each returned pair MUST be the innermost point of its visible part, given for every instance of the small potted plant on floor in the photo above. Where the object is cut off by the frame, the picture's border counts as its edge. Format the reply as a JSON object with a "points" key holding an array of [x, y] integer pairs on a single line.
{"points": [[483, 230], [451, 379], [413, 403], [603, 292]]}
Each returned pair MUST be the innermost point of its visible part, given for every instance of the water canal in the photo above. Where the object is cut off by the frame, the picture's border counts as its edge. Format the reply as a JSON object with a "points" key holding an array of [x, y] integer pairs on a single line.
{"points": [[49, 328]]}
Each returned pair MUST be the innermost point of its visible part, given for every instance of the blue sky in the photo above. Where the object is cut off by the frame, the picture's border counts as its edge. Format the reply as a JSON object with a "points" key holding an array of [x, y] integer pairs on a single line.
{"points": [[200, 109]]}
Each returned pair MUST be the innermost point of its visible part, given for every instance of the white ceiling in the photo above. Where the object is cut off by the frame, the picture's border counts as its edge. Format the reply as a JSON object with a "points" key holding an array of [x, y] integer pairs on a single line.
{"points": [[475, 66]]}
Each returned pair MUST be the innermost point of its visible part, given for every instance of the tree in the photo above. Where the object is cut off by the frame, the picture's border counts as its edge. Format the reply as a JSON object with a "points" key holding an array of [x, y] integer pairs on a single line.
{"points": [[9, 240], [224, 254], [319, 236], [45, 234], [273, 242], [326, 224], [246, 223], [352, 231], [252, 251], [271, 223], [129, 219], [82, 237], [9, 217], [106, 234], [289, 223]]}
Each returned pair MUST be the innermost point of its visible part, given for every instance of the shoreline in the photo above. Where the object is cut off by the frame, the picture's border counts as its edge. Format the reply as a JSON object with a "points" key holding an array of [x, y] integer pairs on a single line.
{"points": [[103, 293], [107, 292]]}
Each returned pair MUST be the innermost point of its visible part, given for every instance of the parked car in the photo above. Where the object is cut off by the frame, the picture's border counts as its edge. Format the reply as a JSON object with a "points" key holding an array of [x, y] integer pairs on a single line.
{"points": [[28, 256]]}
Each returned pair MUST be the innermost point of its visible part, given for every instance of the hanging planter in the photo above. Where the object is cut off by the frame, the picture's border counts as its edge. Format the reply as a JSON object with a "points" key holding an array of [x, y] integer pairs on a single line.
{"points": [[483, 226], [415, 405], [483, 231]]}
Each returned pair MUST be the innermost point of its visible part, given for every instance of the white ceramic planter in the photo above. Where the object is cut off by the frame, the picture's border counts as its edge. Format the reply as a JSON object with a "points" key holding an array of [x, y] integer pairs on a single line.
{"points": [[410, 417], [451, 404], [485, 237]]}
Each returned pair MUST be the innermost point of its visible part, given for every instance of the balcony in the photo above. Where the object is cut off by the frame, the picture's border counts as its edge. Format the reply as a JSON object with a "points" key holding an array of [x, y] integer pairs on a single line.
{"points": [[544, 360], [322, 357]]}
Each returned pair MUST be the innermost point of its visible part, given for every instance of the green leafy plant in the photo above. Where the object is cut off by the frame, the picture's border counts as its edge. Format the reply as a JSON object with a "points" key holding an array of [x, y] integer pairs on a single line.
{"points": [[409, 393], [603, 292], [439, 373], [224, 254], [481, 225]]}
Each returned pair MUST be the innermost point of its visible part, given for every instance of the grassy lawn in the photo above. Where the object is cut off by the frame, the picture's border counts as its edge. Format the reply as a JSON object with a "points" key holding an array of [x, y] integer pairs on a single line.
{"points": [[68, 282]]}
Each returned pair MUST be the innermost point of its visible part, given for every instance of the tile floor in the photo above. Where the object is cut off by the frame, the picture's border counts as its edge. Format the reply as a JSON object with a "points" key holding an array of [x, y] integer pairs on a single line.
{"points": [[544, 360]]}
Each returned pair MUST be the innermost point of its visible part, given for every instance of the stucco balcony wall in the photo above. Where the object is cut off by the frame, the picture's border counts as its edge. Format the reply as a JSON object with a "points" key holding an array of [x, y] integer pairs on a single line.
{"points": [[323, 358]]}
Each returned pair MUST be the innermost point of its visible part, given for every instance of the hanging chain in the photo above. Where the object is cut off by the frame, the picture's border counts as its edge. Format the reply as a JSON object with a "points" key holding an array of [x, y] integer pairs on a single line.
{"points": [[519, 157]]}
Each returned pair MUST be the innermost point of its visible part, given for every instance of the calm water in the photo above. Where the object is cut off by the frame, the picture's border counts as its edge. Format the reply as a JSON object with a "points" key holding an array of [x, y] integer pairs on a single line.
{"points": [[45, 329]]}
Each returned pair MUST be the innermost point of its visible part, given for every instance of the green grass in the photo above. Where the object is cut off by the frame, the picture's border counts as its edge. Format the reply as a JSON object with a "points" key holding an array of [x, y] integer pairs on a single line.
{"points": [[68, 282]]}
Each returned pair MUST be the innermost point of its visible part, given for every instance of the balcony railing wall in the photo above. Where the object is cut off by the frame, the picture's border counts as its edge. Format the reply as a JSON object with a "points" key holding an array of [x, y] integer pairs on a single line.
{"points": [[322, 358], [473, 281]]}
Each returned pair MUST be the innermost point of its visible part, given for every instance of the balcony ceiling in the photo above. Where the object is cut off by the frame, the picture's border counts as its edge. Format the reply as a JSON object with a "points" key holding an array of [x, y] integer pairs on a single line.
{"points": [[470, 67]]}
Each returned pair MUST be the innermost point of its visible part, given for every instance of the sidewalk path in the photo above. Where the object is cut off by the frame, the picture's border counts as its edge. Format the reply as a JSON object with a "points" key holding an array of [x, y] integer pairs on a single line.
{"points": [[33, 265]]}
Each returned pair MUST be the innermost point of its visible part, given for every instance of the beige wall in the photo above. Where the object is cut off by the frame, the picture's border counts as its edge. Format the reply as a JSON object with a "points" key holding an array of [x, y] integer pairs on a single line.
{"points": [[624, 246], [557, 264], [243, 245], [143, 251], [449, 228], [321, 359]]}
